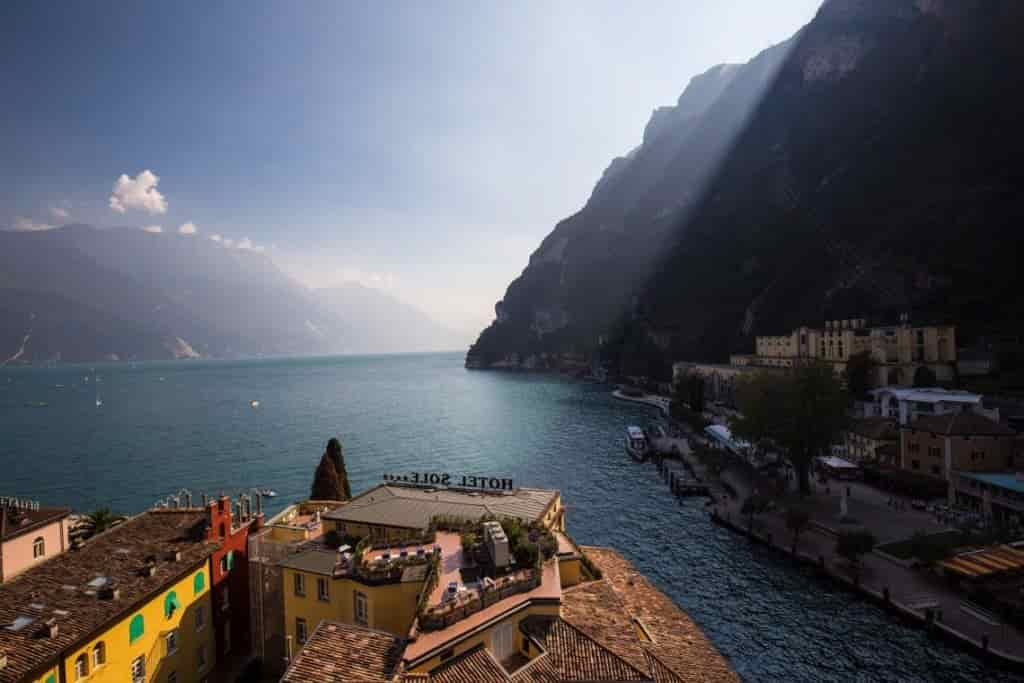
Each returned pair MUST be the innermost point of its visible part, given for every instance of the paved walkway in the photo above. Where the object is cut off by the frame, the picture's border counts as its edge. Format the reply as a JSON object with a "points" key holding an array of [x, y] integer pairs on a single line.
{"points": [[913, 590]]}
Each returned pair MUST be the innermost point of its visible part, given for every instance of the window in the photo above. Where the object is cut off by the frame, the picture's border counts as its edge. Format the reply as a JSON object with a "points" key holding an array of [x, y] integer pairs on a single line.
{"points": [[38, 547], [227, 637], [300, 584], [81, 667], [362, 614], [172, 677], [935, 469], [200, 617], [198, 583], [230, 558], [201, 658], [935, 452], [136, 629], [172, 642], [99, 655], [225, 601], [300, 630], [915, 464], [323, 592], [171, 603], [139, 669]]}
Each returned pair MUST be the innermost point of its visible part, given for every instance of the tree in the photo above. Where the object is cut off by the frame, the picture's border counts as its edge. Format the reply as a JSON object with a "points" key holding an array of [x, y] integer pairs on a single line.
{"points": [[797, 519], [99, 520], [802, 411], [334, 452], [852, 545], [695, 390], [859, 370], [753, 505], [326, 484], [924, 376]]}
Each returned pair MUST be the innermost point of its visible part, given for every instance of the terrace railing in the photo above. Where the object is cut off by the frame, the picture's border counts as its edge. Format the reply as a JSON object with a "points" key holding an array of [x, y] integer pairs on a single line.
{"points": [[443, 616]]}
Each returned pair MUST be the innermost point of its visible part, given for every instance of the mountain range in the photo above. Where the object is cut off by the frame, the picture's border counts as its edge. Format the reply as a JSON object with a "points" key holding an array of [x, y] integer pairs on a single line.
{"points": [[80, 293], [867, 166]]}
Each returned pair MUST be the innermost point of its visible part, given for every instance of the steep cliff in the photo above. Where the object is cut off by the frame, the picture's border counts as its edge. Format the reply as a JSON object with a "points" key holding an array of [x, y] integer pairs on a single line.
{"points": [[869, 164]]}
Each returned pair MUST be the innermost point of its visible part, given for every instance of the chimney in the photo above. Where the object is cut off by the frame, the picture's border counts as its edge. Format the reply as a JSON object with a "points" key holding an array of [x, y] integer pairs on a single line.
{"points": [[50, 629], [109, 593], [175, 556]]}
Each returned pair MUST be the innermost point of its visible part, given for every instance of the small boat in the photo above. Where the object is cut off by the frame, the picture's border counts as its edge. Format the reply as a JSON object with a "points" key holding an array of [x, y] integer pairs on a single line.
{"points": [[636, 443], [254, 403], [267, 493]]}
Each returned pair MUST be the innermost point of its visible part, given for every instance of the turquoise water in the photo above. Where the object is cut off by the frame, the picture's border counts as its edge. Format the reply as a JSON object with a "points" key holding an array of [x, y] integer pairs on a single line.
{"points": [[164, 426]]}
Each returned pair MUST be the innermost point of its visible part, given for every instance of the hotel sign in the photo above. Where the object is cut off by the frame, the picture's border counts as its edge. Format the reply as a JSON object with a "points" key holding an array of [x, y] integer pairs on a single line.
{"points": [[462, 481]]}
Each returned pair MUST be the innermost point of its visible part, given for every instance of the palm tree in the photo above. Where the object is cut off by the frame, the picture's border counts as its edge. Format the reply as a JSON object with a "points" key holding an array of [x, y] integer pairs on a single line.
{"points": [[99, 520]]}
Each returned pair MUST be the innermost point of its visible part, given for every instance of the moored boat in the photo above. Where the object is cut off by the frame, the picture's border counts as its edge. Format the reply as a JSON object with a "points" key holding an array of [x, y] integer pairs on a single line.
{"points": [[636, 443]]}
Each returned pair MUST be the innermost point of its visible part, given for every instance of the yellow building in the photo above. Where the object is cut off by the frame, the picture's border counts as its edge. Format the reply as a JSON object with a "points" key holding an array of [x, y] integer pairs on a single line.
{"points": [[132, 604], [898, 350], [616, 627], [939, 445]]}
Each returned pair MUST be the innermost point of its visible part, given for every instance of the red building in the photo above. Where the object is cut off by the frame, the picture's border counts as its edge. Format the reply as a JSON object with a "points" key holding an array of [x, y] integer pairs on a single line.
{"points": [[230, 525]]}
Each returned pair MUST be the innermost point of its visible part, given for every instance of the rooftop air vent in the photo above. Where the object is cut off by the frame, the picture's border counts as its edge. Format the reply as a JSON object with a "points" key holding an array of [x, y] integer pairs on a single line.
{"points": [[148, 570], [175, 556], [109, 593], [50, 629]]}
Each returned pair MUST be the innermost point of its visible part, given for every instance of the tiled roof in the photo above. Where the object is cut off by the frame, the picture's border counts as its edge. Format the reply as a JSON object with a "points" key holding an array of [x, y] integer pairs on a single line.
{"points": [[677, 644], [58, 588], [413, 507], [595, 609], [577, 656], [961, 424], [343, 653], [877, 428], [14, 523]]}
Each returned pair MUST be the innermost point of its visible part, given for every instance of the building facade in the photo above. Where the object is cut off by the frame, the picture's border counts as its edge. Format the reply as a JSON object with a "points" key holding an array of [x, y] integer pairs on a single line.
{"points": [[905, 404], [966, 442], [898, 350], [29, 534], [863, 439], [998, 496]]}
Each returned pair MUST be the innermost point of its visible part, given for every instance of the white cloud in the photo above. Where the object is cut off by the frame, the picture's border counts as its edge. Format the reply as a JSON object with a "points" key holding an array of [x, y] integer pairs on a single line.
{"points": [[246, 244], [22, 224], [60, 212], [138, 193], [187, 228], [153, 229], [216, 237], [229, 242]]}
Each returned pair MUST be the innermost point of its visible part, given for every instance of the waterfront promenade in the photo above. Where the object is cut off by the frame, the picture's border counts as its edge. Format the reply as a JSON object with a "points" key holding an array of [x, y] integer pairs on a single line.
{"points": [[662, 403], [914, 593]]}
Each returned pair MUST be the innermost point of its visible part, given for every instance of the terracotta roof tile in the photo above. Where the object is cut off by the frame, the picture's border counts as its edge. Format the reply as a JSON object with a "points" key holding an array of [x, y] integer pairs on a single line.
{"points": [[343, 653], [61, 583], [14, 523]]}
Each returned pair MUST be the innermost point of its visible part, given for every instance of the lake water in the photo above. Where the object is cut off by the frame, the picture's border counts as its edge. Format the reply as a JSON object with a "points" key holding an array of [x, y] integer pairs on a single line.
{"points": [[166, 426]]}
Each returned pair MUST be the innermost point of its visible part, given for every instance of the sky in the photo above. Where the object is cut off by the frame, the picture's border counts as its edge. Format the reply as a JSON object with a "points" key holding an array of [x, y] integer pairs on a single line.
{"points": [[424, 148]]}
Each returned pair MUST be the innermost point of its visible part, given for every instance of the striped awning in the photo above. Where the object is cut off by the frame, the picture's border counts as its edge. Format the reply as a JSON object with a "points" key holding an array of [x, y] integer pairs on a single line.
{"points": [[986, 562]]}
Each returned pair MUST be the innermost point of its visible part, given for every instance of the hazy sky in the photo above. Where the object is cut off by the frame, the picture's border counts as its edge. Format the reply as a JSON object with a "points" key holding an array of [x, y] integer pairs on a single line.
{"points": [[421, 147]]}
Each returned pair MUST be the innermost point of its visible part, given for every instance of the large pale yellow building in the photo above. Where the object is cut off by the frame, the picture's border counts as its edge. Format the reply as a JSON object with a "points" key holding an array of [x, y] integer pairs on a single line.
{"points": [[898, 350], [412, 603], [131, 605]]}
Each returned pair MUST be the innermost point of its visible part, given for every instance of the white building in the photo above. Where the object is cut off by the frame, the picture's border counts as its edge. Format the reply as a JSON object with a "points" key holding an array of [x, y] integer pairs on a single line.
{"points": [[906, 404]]}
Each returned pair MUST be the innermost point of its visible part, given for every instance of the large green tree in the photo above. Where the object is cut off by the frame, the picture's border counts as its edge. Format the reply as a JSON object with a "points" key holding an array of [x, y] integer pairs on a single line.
{"points": [[860, 368], [802, 411]]}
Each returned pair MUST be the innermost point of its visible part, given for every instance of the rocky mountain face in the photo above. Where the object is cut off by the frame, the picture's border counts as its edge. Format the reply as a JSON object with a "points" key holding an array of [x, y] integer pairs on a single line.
{"points": [[79, 293], [867, 166]]}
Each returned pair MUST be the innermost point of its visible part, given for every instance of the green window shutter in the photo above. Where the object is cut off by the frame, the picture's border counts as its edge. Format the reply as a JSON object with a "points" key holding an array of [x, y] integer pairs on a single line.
{"points": [[231, 560], [51, 679], [171, 603], [198, 583], [136, 628]]}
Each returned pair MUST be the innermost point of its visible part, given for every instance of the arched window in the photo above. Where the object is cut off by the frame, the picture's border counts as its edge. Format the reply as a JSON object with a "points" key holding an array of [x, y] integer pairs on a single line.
{"points": [[38, 547], [136, 628], [171, 603], [99, 654], [81, 667], [198, 583]]}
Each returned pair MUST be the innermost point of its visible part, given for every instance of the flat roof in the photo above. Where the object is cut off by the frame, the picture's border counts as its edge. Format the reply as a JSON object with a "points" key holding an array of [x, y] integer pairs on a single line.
{"points": [[414, 506], [1003, 480], [342, 653], [63, 588], [929, 394]]}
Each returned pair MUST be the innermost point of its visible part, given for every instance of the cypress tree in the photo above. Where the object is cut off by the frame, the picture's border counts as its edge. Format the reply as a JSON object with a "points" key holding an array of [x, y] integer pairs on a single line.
{"points": [[334, 452], [326, 485]]}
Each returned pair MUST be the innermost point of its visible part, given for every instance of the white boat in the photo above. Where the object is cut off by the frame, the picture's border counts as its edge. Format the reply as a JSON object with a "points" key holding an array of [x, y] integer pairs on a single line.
{"points": [[254, 403], [636, 443], [266, 493]]}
